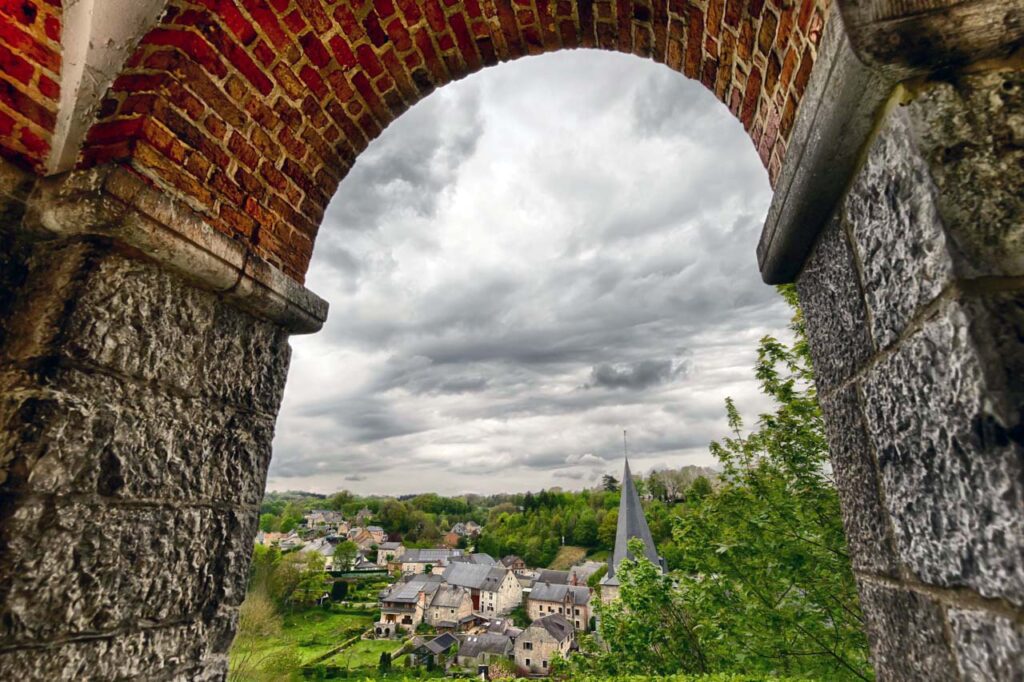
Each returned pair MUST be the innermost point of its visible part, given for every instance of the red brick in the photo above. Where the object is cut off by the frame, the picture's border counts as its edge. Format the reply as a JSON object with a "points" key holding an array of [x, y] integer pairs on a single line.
{"points": [[18, 40], [14, 66], [315, 50], [16, 100]]}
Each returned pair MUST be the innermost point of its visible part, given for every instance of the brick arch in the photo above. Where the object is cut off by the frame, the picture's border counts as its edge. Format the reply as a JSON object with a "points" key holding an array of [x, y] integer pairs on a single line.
{"points": [[255, 110]]}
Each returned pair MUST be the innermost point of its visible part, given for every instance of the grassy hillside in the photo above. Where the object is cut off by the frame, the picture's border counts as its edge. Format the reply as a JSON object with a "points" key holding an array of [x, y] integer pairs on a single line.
{"points": [[568, 556]]}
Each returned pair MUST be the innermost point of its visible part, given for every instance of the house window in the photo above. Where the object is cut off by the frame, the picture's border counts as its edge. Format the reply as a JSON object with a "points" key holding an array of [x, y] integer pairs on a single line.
{"points": [[544, 664], [577, 623], [577, 612], [527, 661], [528, 646]]}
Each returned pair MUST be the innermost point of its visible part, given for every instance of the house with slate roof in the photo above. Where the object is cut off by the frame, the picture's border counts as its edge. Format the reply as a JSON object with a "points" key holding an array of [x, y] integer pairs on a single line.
{"points": [[388, 552], [631, 524], [418, 560], [479, 559], [495, 589], [571, 601], [538, 644], [432, 650], [514, 563], [404, 606], [483, 649], [548, 575], [451, 608]]}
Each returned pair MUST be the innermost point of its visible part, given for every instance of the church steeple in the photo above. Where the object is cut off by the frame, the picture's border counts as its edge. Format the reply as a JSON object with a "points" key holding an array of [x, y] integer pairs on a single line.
{"points": [[632, 524]]}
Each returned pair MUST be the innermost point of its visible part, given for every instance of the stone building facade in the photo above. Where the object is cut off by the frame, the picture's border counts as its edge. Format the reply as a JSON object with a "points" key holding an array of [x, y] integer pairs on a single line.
{"points": [[538, 645], [571, 601], [157, 218]]}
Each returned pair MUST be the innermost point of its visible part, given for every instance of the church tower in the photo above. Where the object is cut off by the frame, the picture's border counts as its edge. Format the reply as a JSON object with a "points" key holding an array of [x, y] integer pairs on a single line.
{"points": [[632, 524]]}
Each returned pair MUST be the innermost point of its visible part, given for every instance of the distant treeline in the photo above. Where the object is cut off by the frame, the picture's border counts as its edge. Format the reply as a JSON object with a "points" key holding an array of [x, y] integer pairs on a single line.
{"points": [[532, 525]]}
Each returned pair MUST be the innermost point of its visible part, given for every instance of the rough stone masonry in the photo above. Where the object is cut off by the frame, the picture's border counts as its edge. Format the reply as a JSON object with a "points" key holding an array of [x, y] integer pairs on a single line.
{"points": [[166, 168]]}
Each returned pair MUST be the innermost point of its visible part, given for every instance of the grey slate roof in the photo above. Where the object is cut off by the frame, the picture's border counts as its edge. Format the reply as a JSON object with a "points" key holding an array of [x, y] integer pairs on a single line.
{"points": [[577, 594], [440, 644], [389, 545], [509, 560], [556, 625], [407, 591], [475, 576], [429, 555], [474, 645], [450, 596], [547, 575], [583, 571], [632, 524], [479, 558]]}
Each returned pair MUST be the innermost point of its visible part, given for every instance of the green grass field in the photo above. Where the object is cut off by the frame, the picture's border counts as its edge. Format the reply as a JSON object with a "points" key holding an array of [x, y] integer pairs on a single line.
{"points": [[363, 654], [305, 635]]}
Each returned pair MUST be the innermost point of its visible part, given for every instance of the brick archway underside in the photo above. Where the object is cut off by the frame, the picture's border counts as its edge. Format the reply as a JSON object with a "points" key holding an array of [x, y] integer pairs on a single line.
{"points": [[254, 110]]}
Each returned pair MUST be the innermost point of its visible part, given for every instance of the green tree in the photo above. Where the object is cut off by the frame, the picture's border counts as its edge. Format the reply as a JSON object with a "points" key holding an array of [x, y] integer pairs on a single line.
{"points": [[606, 531], [764, 583], [345, 554]]}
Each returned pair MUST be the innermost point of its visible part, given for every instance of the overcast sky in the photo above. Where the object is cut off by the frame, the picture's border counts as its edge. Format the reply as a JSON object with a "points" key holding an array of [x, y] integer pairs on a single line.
{"points": [[525, 263]]}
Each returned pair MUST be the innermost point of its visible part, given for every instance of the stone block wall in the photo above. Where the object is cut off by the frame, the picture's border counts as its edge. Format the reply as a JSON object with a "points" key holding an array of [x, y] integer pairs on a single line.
{"points": [[136, 418], [254, 111], [914, 298]]}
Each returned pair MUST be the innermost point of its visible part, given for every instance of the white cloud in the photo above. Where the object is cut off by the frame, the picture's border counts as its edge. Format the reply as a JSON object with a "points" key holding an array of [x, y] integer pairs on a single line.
{"points": [[524, 264]]}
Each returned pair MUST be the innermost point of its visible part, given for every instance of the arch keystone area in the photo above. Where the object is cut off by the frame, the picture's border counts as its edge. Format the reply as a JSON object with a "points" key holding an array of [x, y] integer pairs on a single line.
{"points": [[166, 166]]}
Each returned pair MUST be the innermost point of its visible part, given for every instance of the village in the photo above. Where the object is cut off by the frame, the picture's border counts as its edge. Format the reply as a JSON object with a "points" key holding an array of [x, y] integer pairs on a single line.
{"points": [[452, 609]]}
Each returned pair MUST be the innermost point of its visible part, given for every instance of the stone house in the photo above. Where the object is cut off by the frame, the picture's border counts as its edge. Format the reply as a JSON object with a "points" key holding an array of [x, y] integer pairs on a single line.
{"points": [[450, 608], [571, 601], [419, 560], [483, 649], [363, 515], [544, 639], [514, 563], [495, 589], [404, 606], [377, 533], [362, 537], [450, 539], [388, 552]]}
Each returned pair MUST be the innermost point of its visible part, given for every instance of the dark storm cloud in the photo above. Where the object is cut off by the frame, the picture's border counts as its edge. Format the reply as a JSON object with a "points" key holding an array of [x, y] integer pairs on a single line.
{"points": [[520, 267], [634, 376], [363, 419]]}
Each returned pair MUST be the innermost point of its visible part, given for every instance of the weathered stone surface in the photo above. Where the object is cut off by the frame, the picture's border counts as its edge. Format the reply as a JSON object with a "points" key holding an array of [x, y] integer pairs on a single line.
{"points": [[66, 432], [140, 322], [864, 517], [136, 419], [906, 632], [971, 133], [997, 327], [988, 647], [79, 568], [952, 480], [833, 305], [178, 652], [896, 226]]}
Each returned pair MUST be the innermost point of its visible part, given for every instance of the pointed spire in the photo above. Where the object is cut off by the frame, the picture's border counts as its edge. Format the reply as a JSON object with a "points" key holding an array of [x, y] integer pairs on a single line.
{"points": [[632, 524]]}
